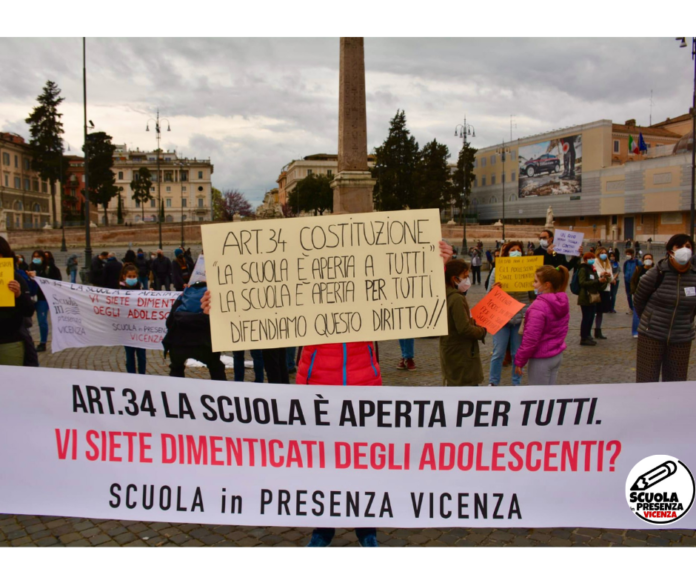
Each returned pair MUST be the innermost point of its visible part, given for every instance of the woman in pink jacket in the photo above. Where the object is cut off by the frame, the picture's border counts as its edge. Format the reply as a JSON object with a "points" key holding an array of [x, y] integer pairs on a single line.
{"points": [[545, 327]]}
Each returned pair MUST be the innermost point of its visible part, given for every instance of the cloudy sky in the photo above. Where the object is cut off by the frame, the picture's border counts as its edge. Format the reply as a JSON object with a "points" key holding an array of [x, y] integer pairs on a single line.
{"points": [[253, 105]]}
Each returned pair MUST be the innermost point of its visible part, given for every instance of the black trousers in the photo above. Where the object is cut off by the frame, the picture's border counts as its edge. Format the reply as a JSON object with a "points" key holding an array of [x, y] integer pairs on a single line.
{"points": [[276, 365], [204, 354], [588, 316], [476, 270]]}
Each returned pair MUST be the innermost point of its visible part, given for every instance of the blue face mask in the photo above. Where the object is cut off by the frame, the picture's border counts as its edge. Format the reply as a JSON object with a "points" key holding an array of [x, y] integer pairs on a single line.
{"points": [[140, 255], [515, 253], [131, 280], [37, 261], [603, 256], [590, 262]]}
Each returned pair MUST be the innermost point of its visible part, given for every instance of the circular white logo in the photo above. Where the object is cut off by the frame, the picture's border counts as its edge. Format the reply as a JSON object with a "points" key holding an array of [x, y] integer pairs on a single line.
{"points": [[660, 489]]}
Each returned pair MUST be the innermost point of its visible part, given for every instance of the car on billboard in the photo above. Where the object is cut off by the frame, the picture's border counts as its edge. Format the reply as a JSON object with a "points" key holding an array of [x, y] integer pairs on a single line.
{"points": [[544, 163]]}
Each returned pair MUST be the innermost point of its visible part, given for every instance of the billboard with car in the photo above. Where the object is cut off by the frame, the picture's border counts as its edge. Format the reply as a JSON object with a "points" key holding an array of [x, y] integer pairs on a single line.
{"points": [[551, 167]]}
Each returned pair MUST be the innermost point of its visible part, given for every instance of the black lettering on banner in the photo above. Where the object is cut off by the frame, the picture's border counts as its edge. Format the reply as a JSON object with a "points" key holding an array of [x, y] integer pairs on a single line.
{"points": [[115, 489], [317, 498]]}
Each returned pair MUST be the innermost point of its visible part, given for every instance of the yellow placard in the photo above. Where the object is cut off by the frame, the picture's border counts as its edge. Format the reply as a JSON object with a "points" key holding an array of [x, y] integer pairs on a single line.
{"points": [[323, 280], [7, 298], [517, 273]]}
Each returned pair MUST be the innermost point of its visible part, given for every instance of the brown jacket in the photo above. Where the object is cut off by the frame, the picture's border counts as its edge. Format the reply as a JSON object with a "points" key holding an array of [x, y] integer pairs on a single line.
{"points": [[459, 350]]}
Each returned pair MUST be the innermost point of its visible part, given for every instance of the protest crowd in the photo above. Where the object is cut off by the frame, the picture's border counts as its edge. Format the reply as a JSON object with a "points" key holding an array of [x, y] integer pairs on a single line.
{"points": [[661, 294]]}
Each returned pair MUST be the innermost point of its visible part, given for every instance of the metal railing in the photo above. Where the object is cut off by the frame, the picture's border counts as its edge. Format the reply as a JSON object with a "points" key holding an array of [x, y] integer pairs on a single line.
{"points": [[659, 151]]}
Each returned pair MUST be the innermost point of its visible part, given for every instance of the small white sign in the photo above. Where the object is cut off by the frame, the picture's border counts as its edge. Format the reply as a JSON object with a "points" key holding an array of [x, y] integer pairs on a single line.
{"points": [[690, 291], [567, 242]]}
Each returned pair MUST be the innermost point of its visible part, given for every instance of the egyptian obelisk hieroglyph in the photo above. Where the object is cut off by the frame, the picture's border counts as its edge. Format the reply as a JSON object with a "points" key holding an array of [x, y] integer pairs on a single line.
{"points": [[353, 185]]}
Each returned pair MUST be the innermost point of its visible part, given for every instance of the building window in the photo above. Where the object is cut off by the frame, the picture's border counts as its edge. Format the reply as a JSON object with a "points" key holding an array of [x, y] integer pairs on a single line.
{"points": [[137, 204], [18, 183], [169, 203], [168, 176], [5, 158], [27, 164], [614, 219], [183, 202], [483, 181], [502, 177], [329, 172], [37, 208], [475, 182], [616, 146], [492, 159], [642, 219], [7, 180], [483, 162], [309, 172], [513, 155], [27, 184], [44, 187], [475, 162], [153, 203], [152, 189], [184, 217], [513, 176], [168, 159], [169, 189], [120, 175], [492, 179], [183, 189], [200, 203], [493, 200], [671, 218], [16, 161], [183, 175], [35, 185], [200, 175], [18, 205]]}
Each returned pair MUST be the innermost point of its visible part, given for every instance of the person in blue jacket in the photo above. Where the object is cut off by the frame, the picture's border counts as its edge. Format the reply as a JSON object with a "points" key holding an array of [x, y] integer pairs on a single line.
{"points": [[629, 269]]}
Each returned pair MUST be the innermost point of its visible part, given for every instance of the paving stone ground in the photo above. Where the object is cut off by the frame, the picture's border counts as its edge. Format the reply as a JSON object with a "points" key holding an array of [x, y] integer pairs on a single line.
{"points": [[612, 361]]}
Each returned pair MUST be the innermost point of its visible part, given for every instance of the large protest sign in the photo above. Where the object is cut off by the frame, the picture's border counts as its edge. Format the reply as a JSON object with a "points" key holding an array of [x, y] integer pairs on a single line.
{"points": [[517, 273], [83, 315], [567, 242], [315, 280], [129, 447], [7, 298], [495, 310]]}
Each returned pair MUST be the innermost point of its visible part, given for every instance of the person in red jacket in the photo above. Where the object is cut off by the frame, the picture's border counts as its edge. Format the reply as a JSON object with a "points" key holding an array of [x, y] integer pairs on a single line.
{"points": [[347, 364]]}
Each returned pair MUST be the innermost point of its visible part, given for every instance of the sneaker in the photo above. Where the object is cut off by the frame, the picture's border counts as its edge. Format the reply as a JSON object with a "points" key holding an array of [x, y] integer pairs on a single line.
{"points": [[401, 365], [319, 540], [635, 335], [370, 540], [410, 364], [41, 347]]}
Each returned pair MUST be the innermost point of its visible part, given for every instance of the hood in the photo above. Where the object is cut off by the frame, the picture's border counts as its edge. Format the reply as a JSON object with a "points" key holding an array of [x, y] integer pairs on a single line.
{"points": [[557, 302]]}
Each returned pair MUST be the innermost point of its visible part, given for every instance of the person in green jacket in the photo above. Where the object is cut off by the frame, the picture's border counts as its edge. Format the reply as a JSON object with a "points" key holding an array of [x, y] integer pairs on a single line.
{"points": [[591, 283], [459, 350]]}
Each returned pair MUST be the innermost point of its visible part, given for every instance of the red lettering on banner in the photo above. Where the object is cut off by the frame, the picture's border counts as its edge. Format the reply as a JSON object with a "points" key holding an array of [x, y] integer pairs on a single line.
{"points": [[497, 455], [168, 444], [143, 448], [62, 445], [548, 456], [214, 450], [345, 447]]}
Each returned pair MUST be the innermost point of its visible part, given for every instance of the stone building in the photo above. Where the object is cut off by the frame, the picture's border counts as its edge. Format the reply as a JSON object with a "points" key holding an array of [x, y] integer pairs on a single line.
{"points": [[25, 200]]}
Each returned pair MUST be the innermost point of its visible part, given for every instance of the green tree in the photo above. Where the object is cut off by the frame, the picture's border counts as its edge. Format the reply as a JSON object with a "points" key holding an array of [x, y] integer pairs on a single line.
{"points": [[46, 144], [313, 194], [462, 180], [218, 205], [433, 177], [396, 167], [141, 185], [102, 180]]}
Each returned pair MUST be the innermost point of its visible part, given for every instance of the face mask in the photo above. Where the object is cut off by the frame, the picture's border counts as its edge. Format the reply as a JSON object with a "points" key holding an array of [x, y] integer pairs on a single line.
{"points": [[603, 256], [648, 262], [37, 261], [683, 255], [464, 285], [515, 253], [590, 262], [629, 257], [131, 280], [544, 243], [140, 255]]}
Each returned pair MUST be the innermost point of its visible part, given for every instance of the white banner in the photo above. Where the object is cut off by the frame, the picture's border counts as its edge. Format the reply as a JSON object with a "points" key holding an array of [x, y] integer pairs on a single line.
{"points": [[131, 447], [84, 315]]}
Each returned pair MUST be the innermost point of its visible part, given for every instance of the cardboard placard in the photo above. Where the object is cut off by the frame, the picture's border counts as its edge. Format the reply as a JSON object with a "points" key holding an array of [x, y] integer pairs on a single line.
{"points": [[516, 274], [7, 298], [495, 310], [567, 242]]}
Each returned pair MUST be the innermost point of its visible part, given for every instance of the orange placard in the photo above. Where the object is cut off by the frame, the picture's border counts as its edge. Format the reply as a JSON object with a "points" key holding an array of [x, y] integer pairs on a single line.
{"points": [[495, 310]]}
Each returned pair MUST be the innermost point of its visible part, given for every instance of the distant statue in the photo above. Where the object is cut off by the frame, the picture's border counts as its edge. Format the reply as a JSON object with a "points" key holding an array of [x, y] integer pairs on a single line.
{"points": [[549, 217]]}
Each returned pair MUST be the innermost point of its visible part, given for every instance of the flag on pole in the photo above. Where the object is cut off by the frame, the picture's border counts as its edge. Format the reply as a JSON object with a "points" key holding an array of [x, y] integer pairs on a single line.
{"points": [[642, 146], [633, 145]]}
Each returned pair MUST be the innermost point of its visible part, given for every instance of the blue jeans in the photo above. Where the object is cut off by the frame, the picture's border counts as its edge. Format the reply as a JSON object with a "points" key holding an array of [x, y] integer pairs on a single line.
{"points": [[636, 321], [614, 292], [42, 317], [131, 354], [290, 356], [629, 297], [257, 357], [408, 348], [73, 276], [508, 333], [144, 281]]}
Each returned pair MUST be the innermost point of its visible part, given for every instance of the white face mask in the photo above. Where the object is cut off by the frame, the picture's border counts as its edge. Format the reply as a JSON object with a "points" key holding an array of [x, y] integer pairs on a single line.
{"points": [[464, 285], [683, 255], [515, 253], [544, 243], [648, 262]]}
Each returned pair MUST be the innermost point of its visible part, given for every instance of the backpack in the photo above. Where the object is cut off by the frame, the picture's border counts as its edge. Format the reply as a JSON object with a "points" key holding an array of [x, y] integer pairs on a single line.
{"points": [[575, 282], [191, 298]]}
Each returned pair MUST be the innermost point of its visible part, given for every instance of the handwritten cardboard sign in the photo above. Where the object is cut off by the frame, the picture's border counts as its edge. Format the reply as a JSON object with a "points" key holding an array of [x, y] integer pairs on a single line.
{"points": [[323, 280], [567, 242], [517, 273], [7, 298], [495, 309]]}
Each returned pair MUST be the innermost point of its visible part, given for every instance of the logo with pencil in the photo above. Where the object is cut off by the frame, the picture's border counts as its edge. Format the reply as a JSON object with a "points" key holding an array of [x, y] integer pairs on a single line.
{"points": [[660, 489]]}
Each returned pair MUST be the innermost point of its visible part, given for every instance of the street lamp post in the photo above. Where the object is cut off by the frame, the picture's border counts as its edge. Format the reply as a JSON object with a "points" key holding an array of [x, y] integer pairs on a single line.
{"points": [[88, 242], [63, 246], [683, 45], [159, 177], [183, 243], [464, 130], [502, 151]]}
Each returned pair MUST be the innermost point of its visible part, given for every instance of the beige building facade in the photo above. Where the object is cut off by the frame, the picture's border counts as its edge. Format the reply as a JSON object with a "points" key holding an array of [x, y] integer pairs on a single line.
{"points": [[25, 200], [639, 197], [185, 187]]}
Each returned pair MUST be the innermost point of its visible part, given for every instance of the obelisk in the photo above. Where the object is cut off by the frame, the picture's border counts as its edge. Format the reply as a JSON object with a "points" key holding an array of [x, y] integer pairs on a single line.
{"points": [[353, 185]]}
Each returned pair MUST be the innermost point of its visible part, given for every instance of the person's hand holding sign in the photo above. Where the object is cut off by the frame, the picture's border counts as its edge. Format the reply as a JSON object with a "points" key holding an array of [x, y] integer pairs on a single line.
{"points": [[205, 302], [14, 288], [518, 370], [446, 251]]}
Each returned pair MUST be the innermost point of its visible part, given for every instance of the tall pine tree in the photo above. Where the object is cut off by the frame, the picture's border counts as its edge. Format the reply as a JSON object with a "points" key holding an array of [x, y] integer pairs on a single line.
{"points": [[433, 177], [46, 144], [102, 180], [141, 185], [462, 181], [395, 168]]}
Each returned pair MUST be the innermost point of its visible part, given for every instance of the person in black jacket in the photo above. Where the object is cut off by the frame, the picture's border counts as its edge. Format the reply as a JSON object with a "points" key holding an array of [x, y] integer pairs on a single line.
{"points": [[162, 270], [42, 268], [129, 257], [143, 265], [550, 256], [188, 335], [181, 272], [12, 347], [112, 272], [96, 270]]}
